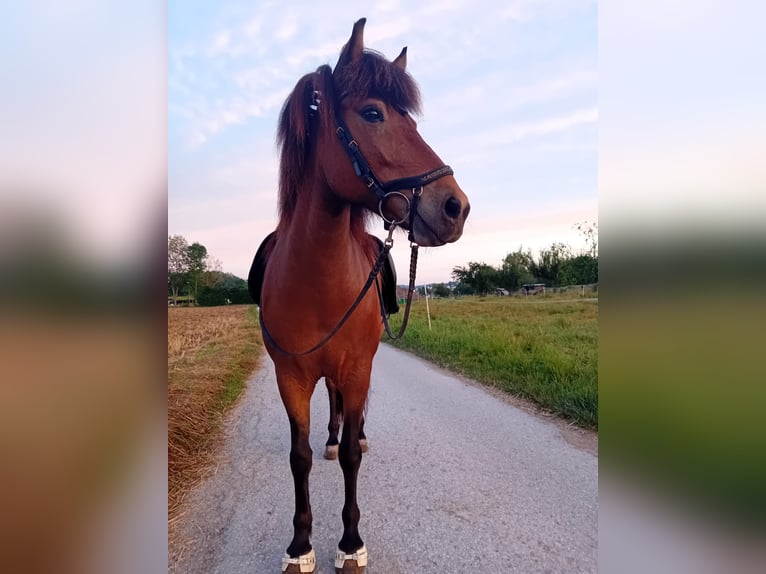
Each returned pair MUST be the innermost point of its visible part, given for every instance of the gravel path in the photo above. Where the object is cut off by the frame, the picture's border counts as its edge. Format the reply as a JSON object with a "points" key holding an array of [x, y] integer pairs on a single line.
{"points": [[457, 480]]}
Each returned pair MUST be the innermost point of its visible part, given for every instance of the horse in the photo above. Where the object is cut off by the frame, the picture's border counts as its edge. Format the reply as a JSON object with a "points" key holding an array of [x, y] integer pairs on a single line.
{"points": [[315, 320]]}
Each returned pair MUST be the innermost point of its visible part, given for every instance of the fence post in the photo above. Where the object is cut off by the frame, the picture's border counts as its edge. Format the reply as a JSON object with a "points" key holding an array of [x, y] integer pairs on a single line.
{"points": [[428, 309]]}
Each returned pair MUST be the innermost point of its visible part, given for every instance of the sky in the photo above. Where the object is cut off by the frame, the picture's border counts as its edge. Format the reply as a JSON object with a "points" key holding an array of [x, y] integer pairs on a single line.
{"points": [[510, 101]]}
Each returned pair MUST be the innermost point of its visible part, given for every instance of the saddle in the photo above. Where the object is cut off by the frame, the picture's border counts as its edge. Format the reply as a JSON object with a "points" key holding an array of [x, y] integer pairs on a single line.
{"points": [[258, 269]]}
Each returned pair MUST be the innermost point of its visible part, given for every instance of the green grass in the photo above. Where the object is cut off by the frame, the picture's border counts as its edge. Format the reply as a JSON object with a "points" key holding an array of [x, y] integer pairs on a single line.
{"points": [[541, 349]]}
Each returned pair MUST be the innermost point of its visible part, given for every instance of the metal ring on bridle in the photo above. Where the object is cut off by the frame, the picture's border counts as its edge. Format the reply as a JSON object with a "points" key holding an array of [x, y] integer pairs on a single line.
{"points": [[394, 221]]}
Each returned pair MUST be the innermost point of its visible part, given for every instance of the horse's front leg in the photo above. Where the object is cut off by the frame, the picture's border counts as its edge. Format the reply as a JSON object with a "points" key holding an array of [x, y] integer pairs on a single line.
{"points": [[351, 557], [300, 555]]}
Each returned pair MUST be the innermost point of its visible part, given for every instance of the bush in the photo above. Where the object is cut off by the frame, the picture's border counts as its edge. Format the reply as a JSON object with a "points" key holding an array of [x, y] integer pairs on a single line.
{"points": [[212, 296]]}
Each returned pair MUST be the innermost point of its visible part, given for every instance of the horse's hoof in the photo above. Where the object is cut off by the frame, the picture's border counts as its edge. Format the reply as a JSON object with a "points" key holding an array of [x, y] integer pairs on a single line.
{"points": [[331, 451], [304, 563], [355, 563], [363, 444]]}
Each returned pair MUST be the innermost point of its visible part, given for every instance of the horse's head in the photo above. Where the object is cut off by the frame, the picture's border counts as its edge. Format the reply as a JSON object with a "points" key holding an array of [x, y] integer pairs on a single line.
{"points": [[366, 145]]}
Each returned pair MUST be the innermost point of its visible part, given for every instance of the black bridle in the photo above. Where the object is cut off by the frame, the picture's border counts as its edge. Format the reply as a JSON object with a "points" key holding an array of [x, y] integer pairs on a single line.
{"points": [[382, 190]]}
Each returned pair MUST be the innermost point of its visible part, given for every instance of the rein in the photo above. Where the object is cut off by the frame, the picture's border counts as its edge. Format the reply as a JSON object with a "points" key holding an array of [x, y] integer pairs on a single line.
{"points": [[383, 190], [371, 278]]}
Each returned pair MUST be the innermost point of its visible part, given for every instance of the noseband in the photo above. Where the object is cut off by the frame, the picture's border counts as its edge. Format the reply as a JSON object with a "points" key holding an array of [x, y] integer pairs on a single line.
{"points": [[385, 190]]}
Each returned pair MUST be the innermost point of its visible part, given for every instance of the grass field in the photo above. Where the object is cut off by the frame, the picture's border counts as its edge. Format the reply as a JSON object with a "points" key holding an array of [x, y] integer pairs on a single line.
{"points": [[211, 352], [541, 349]]}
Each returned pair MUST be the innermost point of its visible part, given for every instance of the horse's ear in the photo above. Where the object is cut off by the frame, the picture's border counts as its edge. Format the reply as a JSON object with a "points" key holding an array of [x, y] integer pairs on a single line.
{"points": [[401, 59], [352, 51]]}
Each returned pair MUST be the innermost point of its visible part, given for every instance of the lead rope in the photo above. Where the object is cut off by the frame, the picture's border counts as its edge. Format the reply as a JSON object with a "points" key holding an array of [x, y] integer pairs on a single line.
{"points": [[411, 290]]}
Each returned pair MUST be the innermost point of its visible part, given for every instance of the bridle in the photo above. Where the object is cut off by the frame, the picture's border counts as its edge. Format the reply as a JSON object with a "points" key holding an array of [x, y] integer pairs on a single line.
{"points": [[383, 191]]}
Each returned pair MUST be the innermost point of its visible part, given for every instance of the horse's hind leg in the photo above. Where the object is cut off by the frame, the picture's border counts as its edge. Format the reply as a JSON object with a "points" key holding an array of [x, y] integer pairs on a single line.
{"points": [[336, 417], [336, 414], [300, 555]]}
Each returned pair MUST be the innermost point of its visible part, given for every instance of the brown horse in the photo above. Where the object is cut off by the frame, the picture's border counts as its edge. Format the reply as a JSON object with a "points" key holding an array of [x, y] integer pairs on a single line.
{"points": [[314, 265]]}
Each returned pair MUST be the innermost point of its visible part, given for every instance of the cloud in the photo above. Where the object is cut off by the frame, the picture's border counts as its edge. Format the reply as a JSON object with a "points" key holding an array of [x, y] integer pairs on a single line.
{"points": [[528, 10], [288, 28], [552, 125], [221, 42], [507, 96], [485, 147]]}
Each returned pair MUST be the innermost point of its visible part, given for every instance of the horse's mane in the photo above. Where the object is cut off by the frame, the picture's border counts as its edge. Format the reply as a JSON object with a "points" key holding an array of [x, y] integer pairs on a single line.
{"points": [[370, 76]]}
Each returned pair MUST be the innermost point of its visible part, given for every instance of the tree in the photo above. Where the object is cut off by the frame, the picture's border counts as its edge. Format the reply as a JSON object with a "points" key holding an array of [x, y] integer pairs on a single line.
{"points": [[213, 273], [197, 258], [178, 263], [462, 289], [230, 289], [440, 290], [480, 277], [546, 268], [515, 270], [589, 231], [580, 270]]}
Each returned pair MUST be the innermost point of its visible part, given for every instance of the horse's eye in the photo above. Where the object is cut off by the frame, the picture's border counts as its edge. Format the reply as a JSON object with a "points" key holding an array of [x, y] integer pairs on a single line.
{"points": [[372, 114]]}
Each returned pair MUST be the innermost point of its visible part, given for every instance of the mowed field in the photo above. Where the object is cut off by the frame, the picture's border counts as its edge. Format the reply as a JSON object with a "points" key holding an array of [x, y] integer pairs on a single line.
{"points": [[211, 353], [544, 349]]}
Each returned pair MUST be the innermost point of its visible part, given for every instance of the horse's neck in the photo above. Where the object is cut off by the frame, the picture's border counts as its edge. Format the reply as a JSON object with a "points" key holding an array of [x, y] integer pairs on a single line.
{"points": [[321, 239]]}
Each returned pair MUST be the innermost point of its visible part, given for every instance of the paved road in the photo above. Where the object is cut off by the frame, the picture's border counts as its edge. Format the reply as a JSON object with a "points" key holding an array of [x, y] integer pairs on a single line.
{"points": [[456, 481]]}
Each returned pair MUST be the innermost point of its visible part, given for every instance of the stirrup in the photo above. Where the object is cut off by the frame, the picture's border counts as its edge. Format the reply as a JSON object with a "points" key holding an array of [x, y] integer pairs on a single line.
{"points": [[360, 556], [305, 562]]}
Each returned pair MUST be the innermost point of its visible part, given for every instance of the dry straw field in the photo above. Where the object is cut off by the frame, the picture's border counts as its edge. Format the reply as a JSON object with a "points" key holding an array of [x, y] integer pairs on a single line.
{"points": [[211, 352]]}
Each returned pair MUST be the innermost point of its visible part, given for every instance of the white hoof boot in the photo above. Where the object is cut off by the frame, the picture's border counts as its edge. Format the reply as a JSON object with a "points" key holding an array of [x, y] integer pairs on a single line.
{"points": [[304, 563], [359, 557], [331, 451]]}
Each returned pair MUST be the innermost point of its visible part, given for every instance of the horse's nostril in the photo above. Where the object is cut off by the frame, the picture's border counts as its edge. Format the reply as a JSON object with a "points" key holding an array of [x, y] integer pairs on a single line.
{"points": [[453, 208]]}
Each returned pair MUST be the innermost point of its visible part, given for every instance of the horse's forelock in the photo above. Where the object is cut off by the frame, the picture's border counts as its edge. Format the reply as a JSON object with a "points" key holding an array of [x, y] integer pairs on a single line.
{"points": [[374, 76]]}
